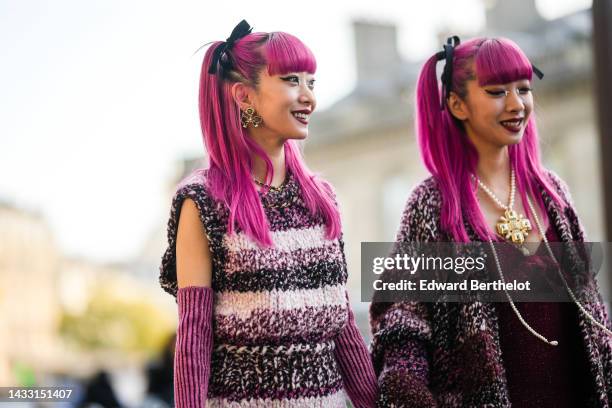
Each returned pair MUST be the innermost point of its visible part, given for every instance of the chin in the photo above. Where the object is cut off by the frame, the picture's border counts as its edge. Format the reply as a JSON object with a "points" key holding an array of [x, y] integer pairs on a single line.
{"points": [[298, 136], [514, 141], [509, 140]]}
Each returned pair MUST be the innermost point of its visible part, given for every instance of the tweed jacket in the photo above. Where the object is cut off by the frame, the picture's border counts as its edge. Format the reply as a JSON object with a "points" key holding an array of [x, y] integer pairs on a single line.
{"points": [[448, 354]]}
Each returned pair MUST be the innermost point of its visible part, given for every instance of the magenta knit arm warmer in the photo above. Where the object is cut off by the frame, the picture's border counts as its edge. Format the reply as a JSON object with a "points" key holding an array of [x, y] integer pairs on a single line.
{"points": [[356, 367], [193, 346]]}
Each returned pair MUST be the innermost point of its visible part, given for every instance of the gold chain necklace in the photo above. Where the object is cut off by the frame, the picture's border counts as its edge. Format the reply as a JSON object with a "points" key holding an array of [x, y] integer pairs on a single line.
{"points": [[269, 187], [511, 226], [286, 202]]}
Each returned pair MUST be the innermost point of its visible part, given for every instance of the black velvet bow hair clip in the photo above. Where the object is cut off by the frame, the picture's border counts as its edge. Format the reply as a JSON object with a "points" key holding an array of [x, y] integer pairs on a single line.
{"points": [[242, 29]]}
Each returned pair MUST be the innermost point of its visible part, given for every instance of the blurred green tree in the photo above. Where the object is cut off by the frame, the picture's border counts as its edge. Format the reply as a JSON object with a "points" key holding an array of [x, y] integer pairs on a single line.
{"points": [[113, 323]]}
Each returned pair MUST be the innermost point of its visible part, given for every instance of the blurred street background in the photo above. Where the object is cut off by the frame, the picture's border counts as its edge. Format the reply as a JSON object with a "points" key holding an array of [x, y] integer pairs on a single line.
{"points": [[98, 122]]}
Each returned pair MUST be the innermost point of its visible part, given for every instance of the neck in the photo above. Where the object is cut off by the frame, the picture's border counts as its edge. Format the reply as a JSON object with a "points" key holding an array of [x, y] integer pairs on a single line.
{"points": [[275, 150], [494, 170], [493, 166]]}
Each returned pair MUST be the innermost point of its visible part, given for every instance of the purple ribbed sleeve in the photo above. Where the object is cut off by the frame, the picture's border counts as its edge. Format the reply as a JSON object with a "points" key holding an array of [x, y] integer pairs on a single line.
{"points": [[356, 367], [193, 346]]}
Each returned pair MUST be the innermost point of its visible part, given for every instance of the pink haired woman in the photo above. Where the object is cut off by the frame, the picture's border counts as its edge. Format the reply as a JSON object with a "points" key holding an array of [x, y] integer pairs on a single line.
{"points": [[478, 139], [255, 254]]}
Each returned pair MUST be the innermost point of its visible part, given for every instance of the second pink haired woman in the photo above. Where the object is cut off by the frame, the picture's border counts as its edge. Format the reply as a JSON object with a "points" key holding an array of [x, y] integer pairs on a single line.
{"points": [[255, 255], [479, 141]]}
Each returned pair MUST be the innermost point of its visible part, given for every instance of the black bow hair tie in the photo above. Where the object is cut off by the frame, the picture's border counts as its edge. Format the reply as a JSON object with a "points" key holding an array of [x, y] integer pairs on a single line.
{"points": [[447, 74], [242, 29]]}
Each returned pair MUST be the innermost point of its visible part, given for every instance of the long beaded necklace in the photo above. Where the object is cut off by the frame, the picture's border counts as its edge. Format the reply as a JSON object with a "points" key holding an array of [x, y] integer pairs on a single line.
{"points": [[565, 284], [511, 226]]}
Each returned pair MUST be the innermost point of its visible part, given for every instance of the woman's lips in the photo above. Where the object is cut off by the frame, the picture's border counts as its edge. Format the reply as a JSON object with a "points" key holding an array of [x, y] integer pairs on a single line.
{"points": [[512, 125], [301, 117]]}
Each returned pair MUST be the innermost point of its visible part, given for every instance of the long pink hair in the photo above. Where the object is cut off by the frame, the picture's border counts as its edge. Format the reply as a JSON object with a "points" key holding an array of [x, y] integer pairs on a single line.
{"points": [[448, 153], [229, 146]]}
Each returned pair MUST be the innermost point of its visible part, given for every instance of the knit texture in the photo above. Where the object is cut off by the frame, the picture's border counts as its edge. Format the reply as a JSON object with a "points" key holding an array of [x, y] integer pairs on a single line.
{"points": [[448, 354], [281, 329], [193, 347], [356, 366]]}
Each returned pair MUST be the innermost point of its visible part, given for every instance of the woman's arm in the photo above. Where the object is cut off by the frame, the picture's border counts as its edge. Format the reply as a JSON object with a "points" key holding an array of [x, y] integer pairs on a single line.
{"points": [[356, 365], [195, 300], [401, 334], [193, 258], [402, 331]]}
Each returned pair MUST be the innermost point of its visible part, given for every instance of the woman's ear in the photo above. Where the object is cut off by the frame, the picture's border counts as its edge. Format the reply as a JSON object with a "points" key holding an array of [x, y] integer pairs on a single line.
{"points": [[457, 106], [241, 93]]}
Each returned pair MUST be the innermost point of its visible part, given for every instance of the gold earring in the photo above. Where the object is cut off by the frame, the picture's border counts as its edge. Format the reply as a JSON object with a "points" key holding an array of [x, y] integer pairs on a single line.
{"points": [[250, 117]]}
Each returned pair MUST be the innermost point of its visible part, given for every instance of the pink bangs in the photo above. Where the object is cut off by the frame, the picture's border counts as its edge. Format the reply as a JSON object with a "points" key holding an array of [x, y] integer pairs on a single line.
{"points": [[286, 53], [500, 61]]}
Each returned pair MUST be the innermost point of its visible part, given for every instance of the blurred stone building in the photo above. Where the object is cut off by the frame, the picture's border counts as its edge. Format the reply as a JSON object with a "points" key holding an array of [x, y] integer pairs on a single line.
{"points": [[29, 305], [365, 143]]}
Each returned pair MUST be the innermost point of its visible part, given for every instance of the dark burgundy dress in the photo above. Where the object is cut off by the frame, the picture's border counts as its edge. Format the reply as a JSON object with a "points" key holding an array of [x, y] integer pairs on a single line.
{"points": [[540, 375]]}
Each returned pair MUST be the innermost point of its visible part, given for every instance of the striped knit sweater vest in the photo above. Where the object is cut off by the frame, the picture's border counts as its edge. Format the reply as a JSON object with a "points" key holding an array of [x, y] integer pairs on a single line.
{"points": [[276, 311]]}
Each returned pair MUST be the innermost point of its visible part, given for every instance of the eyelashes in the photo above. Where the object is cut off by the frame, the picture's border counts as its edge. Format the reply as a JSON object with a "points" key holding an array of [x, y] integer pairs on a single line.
{"points": [[291, 78], [503, 92], [294, 79], [495, 93]]}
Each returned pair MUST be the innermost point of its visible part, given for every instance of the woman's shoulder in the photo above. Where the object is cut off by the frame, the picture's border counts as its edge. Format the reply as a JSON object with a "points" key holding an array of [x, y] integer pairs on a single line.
{"points": [[559, 185], [195, 187], [197, 179], [329, 189], [421, 215], [425, 194]]}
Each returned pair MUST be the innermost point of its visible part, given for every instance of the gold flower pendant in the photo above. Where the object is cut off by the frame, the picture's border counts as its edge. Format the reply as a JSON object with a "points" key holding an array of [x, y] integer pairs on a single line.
{"points": [[513, 227]]}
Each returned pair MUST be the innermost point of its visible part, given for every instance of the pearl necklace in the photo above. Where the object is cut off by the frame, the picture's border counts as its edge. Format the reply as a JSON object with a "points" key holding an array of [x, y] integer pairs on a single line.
{"points": [[565, 284], [494, 197], [511, 226]]}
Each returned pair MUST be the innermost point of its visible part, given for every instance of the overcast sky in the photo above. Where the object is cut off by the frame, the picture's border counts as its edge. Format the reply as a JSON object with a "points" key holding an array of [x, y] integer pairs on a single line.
{"points": [[98, 98]]}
